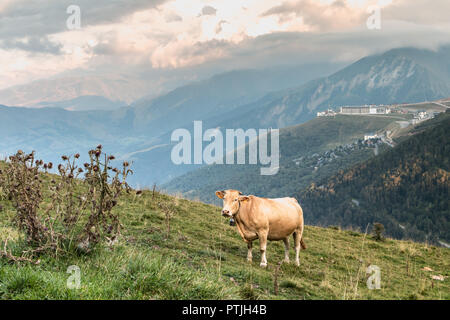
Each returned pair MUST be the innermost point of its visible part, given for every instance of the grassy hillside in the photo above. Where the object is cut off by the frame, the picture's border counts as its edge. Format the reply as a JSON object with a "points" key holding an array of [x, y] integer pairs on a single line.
{"points": [[405, 188], [204, 258], [315, 136]]}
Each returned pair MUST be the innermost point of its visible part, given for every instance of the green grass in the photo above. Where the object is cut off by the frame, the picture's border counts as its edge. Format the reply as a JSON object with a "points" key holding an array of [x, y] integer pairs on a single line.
{"points": [[204, 258]]}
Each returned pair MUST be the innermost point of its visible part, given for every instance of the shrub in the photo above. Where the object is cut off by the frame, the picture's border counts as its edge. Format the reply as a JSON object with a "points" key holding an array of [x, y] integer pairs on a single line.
{"points": [[81, 200], [378, 230], [24, 187]]}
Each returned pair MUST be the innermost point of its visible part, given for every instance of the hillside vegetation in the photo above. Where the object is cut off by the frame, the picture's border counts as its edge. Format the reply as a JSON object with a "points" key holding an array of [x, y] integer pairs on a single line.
{"points": [[201, 257], [405, 188], [315, 136]]}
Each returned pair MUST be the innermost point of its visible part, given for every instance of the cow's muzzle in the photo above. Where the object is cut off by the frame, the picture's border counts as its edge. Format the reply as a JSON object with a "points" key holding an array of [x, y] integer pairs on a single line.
{"points": [[226, 213]]}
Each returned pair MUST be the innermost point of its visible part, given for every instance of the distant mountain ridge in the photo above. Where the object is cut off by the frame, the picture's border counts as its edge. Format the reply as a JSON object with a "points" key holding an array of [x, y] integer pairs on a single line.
{"points": [[218, 96], [63, 88], [132, 131], [397, 76], [276, 98], [84, 103]]}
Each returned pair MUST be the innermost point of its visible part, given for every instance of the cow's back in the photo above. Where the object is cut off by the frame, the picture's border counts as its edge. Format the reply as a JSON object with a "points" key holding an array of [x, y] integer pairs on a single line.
{"points": [[284, 216]]}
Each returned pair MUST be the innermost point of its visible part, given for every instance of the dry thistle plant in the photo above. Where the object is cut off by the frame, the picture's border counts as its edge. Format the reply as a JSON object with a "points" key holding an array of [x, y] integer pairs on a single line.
{"points": [[102, 195], [2, 187], [80, 209], [24, 187], [276, 274], [169, 211]]}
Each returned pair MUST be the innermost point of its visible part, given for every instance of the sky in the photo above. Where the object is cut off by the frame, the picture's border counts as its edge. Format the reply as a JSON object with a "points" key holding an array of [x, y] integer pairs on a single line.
{"points": [[41, 38]]}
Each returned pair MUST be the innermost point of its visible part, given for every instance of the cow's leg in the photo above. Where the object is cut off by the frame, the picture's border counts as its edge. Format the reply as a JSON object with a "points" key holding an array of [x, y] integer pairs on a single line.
{"points": [[297, 238], [263, 245], [286, 249], [249, 253]]}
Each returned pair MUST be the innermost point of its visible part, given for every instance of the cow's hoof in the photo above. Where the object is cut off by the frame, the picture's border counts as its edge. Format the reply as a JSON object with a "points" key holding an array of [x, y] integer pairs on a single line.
{"points": [[297, 263], [263, 265], [286, 261], [249, 260]]}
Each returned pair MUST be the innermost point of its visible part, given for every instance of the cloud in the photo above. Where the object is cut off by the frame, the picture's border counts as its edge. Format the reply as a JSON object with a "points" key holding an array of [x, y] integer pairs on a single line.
{"points": [[219, 26], [23, 18], [34, 45], [208, 11], [318, 16], [298, 48], [182, 54], [160, 36], [425, 12], [173, 17]]}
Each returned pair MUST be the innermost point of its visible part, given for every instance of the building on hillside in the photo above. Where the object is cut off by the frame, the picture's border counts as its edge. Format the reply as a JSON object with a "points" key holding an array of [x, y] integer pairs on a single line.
{"points": [[355, 110], [420, 116], [369, 136], [365, 110], [383, 110], [327, 113]]}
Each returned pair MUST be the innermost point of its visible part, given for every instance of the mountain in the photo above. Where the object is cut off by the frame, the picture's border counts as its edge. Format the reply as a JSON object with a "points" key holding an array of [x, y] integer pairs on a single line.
{"points": [[397, 76], [301, 148], [405, 188], [84, 103], [68, 87], [273, 97], [202, 257], [218, 96], [55, 131], [141, 133]]}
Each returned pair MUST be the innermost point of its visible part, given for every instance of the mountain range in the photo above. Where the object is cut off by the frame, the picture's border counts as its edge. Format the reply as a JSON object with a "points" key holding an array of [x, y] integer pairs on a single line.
{"points": [[398, 76], [276, 97], [68, 87], [84, 103]]}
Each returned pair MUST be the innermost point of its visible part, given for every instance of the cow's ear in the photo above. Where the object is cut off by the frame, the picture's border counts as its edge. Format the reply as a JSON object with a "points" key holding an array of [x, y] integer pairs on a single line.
{"points": [[220, 194], [240, 193], [244, 198]]}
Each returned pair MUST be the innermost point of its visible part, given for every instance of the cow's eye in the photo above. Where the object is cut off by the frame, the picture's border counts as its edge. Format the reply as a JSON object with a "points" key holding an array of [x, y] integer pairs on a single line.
{"points": [[236, 199]]}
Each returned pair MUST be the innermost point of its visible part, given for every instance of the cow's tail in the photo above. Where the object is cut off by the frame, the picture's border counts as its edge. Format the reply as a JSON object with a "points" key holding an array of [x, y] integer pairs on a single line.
{"points": [[302, 244]]}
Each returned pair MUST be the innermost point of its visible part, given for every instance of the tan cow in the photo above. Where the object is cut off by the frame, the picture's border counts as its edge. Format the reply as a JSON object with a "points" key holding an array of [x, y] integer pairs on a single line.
{"points": [[265, 219]]}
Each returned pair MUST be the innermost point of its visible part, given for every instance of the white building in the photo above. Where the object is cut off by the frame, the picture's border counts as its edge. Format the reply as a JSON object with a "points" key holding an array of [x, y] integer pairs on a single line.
{"points": [[327, 113], [370, 136], [365, 110]]}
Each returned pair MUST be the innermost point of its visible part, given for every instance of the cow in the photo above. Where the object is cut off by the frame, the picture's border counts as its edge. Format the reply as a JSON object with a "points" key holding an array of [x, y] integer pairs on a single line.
{"points": [[265, 219]]}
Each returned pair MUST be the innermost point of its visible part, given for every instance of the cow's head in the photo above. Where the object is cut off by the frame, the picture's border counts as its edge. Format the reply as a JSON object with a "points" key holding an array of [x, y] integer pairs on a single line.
{"points": [[231, 201]]}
